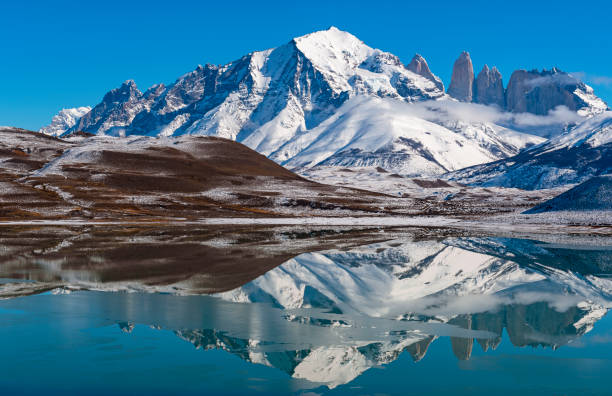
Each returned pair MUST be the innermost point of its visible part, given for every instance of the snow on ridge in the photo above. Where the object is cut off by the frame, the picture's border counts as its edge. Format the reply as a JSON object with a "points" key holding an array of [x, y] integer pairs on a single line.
{"points": [[412, 143], [593, 104], [573, 157], [89, 152], [594, 131]]}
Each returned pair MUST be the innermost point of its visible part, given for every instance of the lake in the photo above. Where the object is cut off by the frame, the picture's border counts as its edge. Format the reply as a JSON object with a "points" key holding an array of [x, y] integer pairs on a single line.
{"points": [[328, 310]]}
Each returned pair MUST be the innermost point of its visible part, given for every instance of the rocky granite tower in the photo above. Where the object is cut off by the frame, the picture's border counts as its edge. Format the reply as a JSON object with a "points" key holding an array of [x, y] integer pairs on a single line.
{"points": [[462, 80], [489, 88], [538, 92], [418, 65]]}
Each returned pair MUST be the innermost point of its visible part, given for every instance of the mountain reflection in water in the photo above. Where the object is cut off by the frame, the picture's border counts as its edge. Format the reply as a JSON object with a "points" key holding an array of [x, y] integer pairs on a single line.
{"points": [[277, 298]]}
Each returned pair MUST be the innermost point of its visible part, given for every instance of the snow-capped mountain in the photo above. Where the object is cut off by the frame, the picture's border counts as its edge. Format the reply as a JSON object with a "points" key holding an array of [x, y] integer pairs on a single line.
{"points": [[579, 154], [327, 98], [538, 92], [265, 97], [290, 102], [64, 120]]}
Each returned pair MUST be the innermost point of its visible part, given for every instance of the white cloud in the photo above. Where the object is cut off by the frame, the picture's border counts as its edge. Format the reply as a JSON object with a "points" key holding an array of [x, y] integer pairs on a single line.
{"points": [[561, 79], [449, 111], [560, 115], [593, 79], [601, 80]]}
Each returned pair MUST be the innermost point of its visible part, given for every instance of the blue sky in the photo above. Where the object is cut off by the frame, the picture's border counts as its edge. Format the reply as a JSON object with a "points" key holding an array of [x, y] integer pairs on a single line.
{"points": [[66, 53]]}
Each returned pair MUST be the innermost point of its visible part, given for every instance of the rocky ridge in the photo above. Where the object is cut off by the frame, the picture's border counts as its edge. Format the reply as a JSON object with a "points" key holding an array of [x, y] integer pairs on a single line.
{"points": [[419, 65], [535, 92], [489, 87]]}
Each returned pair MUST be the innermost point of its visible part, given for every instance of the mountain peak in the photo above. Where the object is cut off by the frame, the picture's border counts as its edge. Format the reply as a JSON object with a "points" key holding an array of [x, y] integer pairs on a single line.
{"points": [[419, 65], [333, 51], [330, 38], [330, 34], [489, 88], [127, 91], [128, 85], [462, 80]]}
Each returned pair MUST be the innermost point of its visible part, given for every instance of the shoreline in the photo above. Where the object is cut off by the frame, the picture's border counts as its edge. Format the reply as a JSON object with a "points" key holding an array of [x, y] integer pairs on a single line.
{"points": [[365, 221]]}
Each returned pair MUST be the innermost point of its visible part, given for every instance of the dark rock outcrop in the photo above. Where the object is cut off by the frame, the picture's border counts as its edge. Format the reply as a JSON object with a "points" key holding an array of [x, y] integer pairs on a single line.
{"points": [[462, 80], [489, 88], [418, 65], [538, 92]]}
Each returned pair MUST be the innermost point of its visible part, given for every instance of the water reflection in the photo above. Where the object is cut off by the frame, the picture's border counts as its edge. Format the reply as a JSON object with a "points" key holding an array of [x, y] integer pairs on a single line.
{"points": [[482, 285], [325, 316]]}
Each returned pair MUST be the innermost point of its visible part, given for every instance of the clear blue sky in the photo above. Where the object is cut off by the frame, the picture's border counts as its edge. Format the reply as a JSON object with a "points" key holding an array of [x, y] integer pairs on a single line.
{"points": [[56, 54]]}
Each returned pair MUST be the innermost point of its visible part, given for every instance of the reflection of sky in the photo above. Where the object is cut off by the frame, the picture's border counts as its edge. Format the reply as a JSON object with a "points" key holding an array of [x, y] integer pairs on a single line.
{"points": [[67, 342]]}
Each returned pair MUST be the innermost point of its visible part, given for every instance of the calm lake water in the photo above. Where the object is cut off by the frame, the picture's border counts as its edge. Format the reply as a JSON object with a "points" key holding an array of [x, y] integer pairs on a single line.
{"points": [[325, 311]]}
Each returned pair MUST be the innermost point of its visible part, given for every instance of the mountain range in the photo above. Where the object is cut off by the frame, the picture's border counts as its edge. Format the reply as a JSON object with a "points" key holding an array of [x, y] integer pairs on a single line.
{"points": [[328, 99]]}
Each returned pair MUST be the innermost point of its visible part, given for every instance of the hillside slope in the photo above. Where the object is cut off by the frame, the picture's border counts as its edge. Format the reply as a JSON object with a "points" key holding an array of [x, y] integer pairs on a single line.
{"points": [[581, 153], [190, 177], [593, 194]]}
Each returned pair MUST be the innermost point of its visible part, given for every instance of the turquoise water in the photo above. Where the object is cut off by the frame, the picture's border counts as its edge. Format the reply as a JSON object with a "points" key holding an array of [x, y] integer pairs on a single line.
{"points": [[457, 316], [74, 343]]}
